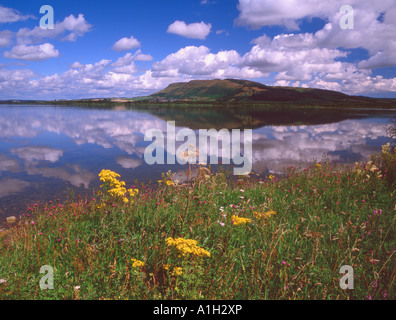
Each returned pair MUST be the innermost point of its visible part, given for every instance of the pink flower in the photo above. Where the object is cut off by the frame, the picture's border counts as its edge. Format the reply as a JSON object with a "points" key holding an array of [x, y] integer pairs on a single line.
{"points": [[283, 262], [32, 223]]}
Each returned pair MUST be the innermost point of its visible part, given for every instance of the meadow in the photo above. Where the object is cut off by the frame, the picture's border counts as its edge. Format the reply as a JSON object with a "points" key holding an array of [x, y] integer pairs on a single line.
{"points": [[214, 236]]}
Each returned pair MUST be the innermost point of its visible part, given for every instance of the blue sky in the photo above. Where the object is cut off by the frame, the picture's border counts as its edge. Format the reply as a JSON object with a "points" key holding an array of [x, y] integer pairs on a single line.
{"points": [[133, 48]]}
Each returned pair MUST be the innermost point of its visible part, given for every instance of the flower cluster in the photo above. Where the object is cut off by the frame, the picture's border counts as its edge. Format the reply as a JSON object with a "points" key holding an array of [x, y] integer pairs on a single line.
{"points": [[369, 166], [264, 215], [137, 263], [115, 187], [187, 247], [177, 271], [167, 182], [386, 148], [239, 220]]}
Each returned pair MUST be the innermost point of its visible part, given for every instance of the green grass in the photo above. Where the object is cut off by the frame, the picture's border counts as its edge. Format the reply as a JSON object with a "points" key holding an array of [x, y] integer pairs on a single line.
{"points": [[326, 216]]}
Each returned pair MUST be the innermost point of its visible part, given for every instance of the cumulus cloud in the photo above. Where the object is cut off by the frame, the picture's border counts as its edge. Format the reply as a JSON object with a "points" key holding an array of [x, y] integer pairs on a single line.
{"points": [[5, 38], [198, 30], [32, 53], [12, 15], [126, 44], [259, 13], [128, 163], [200, 62], [67, 30], [38, 153]]}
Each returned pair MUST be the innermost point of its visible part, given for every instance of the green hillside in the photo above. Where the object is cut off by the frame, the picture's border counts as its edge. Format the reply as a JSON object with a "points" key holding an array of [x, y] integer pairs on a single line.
{"points": [[232, 90]]}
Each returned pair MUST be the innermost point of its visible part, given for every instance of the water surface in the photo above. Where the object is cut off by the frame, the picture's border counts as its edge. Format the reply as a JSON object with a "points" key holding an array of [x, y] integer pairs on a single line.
{"points": [[46, 149]]}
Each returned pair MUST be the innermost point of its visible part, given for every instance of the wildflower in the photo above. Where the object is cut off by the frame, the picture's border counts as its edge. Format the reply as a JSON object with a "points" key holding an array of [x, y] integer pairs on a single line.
{"points": [[177, 271], [170, 182], [264, 215], [271, 177], [385, 148], [3, 281], [137, 263], [166, 266], [77, 287], [318, 166], [187, 247], [239, 220]]}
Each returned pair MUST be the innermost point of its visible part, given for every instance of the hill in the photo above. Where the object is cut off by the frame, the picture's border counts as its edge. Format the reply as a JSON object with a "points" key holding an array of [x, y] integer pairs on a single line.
{"points": [[232, 90]]}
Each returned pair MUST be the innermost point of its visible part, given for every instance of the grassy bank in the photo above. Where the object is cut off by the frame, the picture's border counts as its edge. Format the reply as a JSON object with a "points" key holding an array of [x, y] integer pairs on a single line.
{"points": [[214, 238]]}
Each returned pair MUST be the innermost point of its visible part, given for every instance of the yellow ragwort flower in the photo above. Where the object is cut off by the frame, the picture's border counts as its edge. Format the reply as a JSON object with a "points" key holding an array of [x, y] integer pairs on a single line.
{"points": [[239, 220], [177, 271], [264, 215], [187, 247], [137, 263]]}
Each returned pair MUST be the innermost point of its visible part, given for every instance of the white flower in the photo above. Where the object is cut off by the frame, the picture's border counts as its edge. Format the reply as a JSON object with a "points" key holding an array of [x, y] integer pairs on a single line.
{"points": [[77, 287], [3, 281]]}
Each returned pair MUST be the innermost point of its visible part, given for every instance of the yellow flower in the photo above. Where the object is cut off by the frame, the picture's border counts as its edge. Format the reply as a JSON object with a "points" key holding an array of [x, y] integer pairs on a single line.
{"points": [[177, 271], [169, 182], [239, 220], [271, 177], [318, 166], [386, 148], [114, 187], [137, 263], [264, 215], [187, 247]]}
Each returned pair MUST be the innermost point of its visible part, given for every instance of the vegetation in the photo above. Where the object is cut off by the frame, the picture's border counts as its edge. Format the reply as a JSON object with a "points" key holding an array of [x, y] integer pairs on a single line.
{"points": [[214, 237], [232, 93], [236, 92]]}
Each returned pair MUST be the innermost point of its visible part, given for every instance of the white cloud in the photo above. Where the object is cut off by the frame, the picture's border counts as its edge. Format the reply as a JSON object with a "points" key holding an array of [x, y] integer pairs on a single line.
{"points": [[12, 15], [67, 30], [38, 153], [198, 30], [5, 38], [32, 53], [199, 62], [126, 44], [259, 13]]}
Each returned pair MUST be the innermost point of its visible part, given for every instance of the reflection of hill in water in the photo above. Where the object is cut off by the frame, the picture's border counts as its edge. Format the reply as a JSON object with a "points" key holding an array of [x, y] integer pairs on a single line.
{"points": [[252, 119]]}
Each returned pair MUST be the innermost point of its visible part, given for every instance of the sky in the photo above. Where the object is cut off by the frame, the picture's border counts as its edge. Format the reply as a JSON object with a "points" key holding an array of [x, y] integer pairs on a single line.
{"points": [[99, 49]]}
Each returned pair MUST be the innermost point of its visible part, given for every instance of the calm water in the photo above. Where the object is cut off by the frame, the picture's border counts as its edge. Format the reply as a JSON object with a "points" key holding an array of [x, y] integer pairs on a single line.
{"points": [[44, 150]]}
